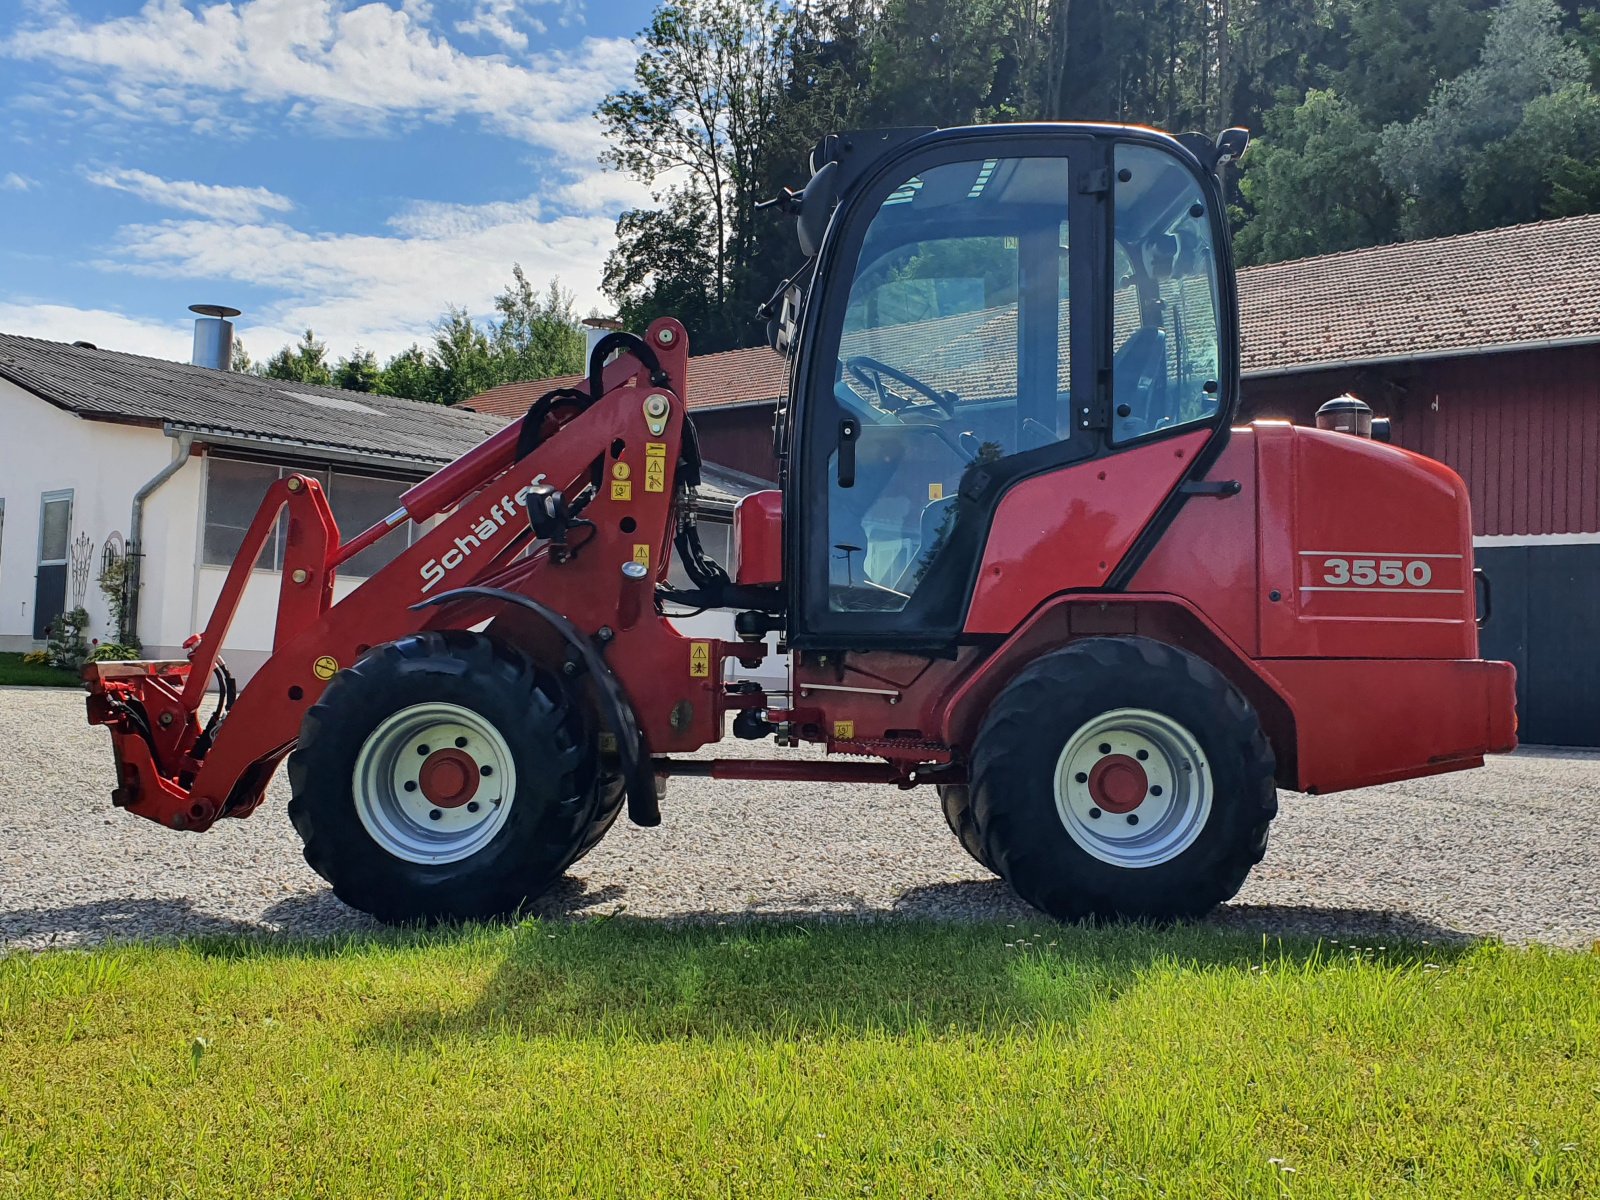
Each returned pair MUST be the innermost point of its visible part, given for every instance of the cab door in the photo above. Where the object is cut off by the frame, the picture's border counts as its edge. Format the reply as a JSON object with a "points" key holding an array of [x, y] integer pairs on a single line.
{"points": [[943, 348], [993, 314]]}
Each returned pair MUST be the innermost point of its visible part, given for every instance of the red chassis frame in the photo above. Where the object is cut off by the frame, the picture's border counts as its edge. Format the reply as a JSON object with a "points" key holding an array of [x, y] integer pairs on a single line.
{"points": [[910, 713]]}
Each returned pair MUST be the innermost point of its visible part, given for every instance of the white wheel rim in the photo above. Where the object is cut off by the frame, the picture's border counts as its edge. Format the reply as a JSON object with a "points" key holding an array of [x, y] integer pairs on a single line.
{"points": [[434, 783], [1133, 788]]}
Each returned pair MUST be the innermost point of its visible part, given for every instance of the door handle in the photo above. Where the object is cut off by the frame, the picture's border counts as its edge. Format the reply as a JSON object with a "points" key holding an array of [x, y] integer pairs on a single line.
{"points": [[849, 433]]}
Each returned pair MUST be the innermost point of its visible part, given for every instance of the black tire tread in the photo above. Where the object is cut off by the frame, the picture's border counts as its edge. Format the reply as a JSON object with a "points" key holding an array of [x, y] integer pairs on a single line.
{"points": [[1011, 838], [955, 799], [547, 722]]}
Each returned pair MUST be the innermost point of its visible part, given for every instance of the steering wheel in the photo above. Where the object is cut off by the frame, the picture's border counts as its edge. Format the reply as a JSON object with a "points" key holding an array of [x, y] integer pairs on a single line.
{"points": [[870, 373]]}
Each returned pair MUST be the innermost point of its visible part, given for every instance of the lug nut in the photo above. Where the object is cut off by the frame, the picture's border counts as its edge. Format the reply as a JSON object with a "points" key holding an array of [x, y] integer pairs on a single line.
{"points": [[472, 806], [486, 769], [1105, 747], [1141, 755], [422, 750], [1133, 818], [460, 742], [1094, 813], [411, 785], [1155, 789], [435, 815], [1080, 777]]}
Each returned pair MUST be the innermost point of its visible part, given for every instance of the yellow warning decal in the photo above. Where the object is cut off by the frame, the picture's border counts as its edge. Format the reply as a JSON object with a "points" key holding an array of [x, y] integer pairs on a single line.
{"points": [[936, 491], [641, 553], [844, 731], [325, 667], [699, 660], [655, 474], [619, 470], [622, 489], [655, 449]]}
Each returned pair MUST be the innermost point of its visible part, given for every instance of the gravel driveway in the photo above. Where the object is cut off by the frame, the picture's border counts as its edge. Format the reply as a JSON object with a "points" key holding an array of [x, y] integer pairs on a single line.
{"points": [[1510, 851]]}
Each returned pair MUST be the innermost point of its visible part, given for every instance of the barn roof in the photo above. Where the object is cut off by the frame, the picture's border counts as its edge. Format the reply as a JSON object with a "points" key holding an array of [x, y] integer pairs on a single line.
{"points": [[1499, 289], [1517, 287], [131, 389]]}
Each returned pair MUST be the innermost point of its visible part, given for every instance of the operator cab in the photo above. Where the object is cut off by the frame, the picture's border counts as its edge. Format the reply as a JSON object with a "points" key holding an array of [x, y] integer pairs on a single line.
{"points": [[986, 305]]}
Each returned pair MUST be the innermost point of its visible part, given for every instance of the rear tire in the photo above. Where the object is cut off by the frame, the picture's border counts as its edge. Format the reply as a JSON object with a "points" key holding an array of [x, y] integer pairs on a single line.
{"points": [[956, 801], [1122, 778], [445, 776]]}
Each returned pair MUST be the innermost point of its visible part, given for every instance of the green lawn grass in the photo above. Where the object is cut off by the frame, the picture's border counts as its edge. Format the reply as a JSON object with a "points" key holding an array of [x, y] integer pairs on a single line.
{"points": [[13, 671], [630, 1059]]}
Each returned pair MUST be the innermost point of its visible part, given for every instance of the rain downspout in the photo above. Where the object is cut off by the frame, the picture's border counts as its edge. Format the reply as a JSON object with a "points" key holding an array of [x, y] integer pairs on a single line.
{"points": [[136, 525]]}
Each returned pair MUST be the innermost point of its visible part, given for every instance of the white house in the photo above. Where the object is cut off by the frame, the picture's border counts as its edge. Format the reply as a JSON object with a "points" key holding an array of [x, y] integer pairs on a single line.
{"points": [[101, 449]]}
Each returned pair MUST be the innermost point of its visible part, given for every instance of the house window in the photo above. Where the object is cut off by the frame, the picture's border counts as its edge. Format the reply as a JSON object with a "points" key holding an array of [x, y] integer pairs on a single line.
{"points": [[234, 491], [360, 502]]}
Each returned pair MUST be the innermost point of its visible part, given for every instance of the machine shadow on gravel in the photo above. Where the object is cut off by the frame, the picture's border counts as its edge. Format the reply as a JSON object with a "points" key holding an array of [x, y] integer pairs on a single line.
{"points": [[793, 975], [95, 922]]}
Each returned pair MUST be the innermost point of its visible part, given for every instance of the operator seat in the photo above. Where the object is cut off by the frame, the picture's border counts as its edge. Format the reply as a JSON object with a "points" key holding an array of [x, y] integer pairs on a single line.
{"points": [[1139, 379]]}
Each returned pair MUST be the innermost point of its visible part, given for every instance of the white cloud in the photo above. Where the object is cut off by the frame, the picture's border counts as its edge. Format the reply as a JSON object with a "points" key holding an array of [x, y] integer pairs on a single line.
{"points": [[108, 330], [12, 182], [497, 20], [381, 290], [435, 219], [594, 190], [368, 64], [206, 199]]}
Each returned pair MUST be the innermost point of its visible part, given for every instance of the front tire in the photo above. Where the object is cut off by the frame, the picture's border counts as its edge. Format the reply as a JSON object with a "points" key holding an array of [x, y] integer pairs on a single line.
{"points": [[445, 776], [1122, 778]]}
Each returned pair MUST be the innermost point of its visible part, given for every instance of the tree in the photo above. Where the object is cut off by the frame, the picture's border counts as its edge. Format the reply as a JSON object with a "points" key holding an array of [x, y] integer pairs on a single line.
{"points": [[537, 337], [358, 373], [1401, 50], [706, 90], [663, 264], [463, 362], [304, 362], [239, 360], [411, 375], [1313, 184], [1449, 161], [935, 62]]}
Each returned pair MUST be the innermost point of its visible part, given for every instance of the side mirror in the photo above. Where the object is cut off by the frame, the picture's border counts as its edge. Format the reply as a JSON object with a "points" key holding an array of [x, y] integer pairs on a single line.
{"points": [[1231, 145], [817, 201]]}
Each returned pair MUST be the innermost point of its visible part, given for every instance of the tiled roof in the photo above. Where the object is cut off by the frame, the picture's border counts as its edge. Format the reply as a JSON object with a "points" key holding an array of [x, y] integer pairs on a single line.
{"points": [[728, 377], [132, 389], [1475, 291]]}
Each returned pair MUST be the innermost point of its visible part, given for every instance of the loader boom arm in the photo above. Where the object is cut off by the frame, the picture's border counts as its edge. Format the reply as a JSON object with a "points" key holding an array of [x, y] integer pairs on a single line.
{"points": [[611, 456]]}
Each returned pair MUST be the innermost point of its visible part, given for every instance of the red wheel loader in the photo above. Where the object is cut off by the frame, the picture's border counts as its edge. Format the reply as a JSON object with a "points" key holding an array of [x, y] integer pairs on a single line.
{"points": [[1019, 554]]}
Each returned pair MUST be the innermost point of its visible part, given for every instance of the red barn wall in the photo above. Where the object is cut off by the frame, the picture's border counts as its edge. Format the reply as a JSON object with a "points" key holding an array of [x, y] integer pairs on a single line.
{"points": [[1522, 429], [740, 438]]}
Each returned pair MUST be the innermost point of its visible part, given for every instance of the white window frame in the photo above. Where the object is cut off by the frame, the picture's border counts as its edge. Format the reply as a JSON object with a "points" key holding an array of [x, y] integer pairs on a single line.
{"points": [[46, 499]]}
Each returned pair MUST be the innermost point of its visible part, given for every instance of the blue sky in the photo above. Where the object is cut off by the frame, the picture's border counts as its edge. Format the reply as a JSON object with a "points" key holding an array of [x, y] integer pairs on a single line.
{"points": [[348, 166]]}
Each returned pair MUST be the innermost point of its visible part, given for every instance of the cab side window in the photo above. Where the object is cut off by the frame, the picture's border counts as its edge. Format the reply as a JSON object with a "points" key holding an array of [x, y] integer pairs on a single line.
{"points": [[1165, 340]]}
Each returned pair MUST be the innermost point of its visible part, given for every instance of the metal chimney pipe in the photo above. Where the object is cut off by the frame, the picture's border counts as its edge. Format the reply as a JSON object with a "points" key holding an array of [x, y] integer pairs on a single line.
{"points": [[595, 328], [213, 336]]}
